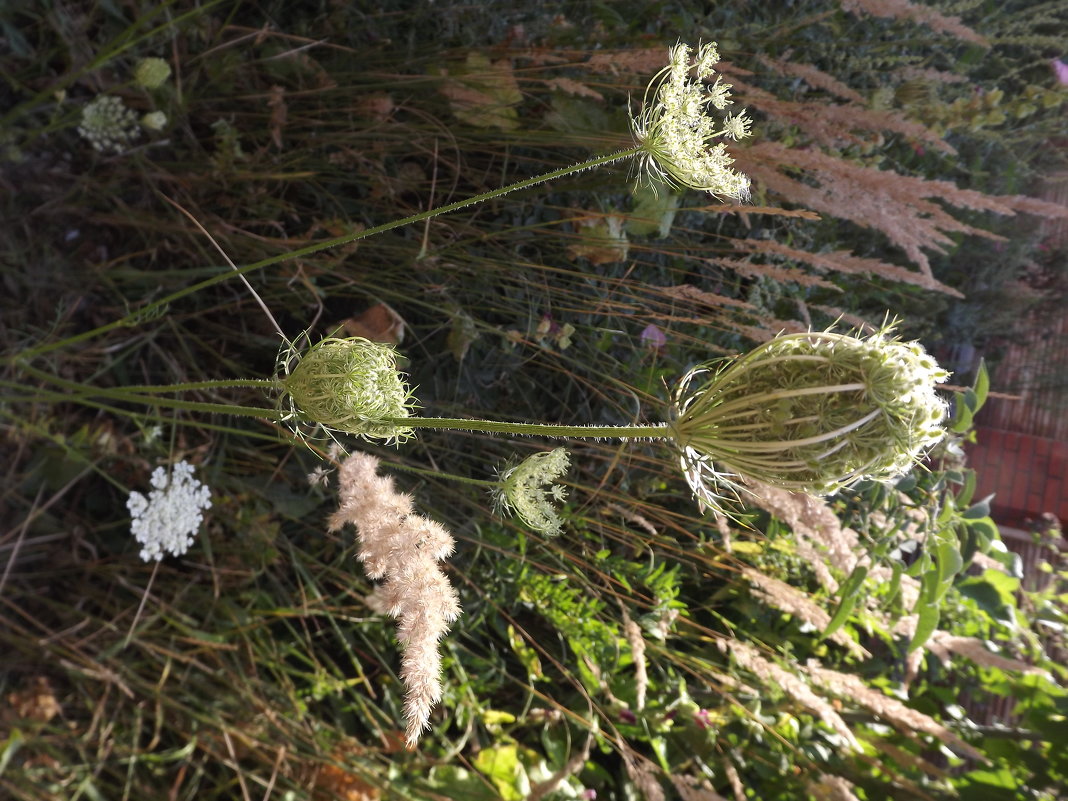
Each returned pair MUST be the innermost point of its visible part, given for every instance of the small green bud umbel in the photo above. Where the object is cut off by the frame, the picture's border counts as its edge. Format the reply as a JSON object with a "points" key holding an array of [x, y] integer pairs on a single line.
{"points": [[811, 412], [351, 385]]}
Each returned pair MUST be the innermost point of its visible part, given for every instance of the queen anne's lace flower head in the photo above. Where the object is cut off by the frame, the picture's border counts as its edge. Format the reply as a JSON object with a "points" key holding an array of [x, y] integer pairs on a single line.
{"points": [[811, 412], [108, 124], [167, 520], [675, 130], [527, 489]]}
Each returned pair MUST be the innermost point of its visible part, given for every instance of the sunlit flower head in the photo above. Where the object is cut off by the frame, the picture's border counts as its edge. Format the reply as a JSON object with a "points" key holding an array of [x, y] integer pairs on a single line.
{"points": [[811, 412], [676, 132]]}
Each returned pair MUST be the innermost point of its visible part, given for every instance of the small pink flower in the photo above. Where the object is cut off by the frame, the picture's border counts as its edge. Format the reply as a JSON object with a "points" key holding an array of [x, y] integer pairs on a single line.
{"points": [[1060, 70], [588, 794], [653, 337], [626, 716], [702, 719]]}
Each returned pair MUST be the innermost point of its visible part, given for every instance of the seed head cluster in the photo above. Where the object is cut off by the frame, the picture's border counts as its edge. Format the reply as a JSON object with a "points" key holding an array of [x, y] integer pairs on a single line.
{"points": [[811, 412], [677, 133], [350, 385], [167, 520]]}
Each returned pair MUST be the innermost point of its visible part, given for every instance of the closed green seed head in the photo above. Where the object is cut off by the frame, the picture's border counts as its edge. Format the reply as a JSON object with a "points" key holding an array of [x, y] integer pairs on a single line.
{"points": [[810, 412], [351, 385]]}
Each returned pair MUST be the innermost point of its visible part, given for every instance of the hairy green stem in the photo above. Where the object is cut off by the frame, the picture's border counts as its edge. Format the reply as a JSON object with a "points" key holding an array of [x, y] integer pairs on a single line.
{"points": [[654, 431]]}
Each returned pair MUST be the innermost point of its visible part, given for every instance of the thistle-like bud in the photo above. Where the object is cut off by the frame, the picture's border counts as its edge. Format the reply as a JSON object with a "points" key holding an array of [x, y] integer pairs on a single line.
{"points": [[812, 412], [676, 132], [527, 489], [350, 385]]}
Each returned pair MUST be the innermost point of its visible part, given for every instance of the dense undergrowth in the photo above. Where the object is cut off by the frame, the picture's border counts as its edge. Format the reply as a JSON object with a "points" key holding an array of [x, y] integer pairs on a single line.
{"points": [[807, 649]]}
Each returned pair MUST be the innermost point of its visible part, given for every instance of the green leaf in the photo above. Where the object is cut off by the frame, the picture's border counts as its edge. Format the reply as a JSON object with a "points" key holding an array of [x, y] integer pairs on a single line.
{"points": [[527, 655], [982, 385], [925, 626], [962, 417], [850, 594], [964, 497], [501, 764], [747, 547], [979, 509], [461, 334], [654, 212]]}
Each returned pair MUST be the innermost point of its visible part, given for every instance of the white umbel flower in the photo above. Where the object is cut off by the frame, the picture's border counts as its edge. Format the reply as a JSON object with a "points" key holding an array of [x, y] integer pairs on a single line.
{"points": [[675, 131], [108, 125], [167, 520]]}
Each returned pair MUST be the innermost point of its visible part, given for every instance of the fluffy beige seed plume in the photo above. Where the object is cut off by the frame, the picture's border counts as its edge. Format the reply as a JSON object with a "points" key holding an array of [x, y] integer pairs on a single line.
{"points": [[403, 548]]}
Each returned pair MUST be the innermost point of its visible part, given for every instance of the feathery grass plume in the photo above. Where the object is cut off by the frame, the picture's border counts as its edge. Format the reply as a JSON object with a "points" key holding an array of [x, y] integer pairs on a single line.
{"points": [[793, 685], [852, 688], [942, 644], [832, 788], [404, 549], [780, 595], [168, 519], [811, 412], [108, 124], [350, 385], [836, 124], [901, 206], [675, 132], [918, 13], [527, 489], [633, 633]]}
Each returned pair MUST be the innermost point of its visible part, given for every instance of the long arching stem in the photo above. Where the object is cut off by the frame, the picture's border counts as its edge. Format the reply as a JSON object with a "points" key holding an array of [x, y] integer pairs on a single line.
{"points": [[355, 236]]}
